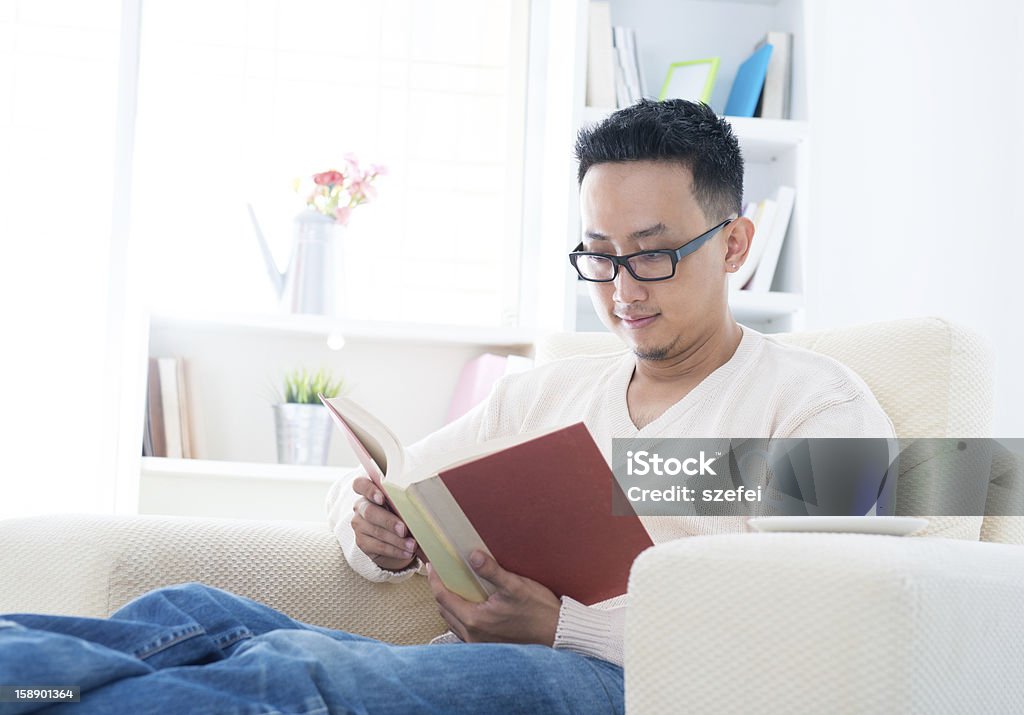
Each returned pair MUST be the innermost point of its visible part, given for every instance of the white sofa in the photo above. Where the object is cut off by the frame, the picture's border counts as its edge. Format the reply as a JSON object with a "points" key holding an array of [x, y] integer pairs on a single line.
{"points": [[772, 623]]}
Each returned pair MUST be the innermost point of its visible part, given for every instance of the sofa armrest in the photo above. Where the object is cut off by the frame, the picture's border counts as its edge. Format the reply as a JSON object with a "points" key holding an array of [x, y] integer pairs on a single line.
{"points": [[92, 565], [794, 623]]}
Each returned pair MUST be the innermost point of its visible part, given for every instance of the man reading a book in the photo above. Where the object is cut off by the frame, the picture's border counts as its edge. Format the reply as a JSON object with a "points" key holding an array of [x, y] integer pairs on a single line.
{"points": [[660, 194]]}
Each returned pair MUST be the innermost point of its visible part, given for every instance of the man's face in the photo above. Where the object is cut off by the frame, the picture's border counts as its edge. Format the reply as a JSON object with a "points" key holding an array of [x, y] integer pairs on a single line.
{"points": [[641, 206]]}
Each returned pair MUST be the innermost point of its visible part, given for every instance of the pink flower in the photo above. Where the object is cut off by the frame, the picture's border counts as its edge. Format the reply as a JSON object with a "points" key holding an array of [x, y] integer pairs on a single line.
{"points": [[327, 178], [369, 191], [364, 190], [352, 169], [342, 214], [378, 170]]}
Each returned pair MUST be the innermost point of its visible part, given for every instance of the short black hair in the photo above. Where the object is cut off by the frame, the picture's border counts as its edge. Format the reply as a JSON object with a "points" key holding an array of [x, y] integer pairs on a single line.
{"points": [[674, 131]]}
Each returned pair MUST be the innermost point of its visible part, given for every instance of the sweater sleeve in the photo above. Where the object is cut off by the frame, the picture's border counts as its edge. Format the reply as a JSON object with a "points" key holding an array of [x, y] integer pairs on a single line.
{"points": [[594, 631], [860, 416], [474, 426]]}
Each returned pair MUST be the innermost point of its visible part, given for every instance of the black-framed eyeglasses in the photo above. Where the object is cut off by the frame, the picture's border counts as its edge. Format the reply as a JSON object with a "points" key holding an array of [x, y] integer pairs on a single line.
{"points": [[658, 265]]}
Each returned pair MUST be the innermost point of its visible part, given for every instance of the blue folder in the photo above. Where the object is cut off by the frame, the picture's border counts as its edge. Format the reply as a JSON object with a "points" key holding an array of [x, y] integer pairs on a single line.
{"points": [[749, 82]]}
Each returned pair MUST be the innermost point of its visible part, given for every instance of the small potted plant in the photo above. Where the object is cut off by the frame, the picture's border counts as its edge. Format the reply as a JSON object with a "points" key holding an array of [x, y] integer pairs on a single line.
{"points": [[302, 422]]}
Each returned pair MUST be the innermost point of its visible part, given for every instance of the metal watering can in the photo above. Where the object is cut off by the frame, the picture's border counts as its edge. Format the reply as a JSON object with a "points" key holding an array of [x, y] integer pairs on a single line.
{"points": [[307, 286]]}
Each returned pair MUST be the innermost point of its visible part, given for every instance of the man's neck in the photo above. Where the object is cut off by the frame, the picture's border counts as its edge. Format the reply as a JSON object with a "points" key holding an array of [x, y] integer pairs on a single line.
{"points": [[656, 385], [693, 362]]}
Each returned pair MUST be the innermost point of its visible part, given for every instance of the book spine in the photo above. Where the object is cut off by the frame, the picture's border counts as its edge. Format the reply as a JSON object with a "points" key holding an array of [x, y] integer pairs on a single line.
{"points": [[633, 59], [774, 103], [762, 216], [621, 85], [183, 410], [456, 575], [156, 411], [147, 436], [622, 72], [765, 273], [169, 394]]}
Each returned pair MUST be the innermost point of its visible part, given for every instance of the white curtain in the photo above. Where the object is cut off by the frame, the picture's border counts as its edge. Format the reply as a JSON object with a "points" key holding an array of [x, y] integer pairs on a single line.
{"points": [[58, 103]]}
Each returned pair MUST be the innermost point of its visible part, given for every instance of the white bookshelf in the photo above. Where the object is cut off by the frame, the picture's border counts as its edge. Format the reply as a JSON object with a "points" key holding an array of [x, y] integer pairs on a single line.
{"points": [[356, 330], [236, 490], [775, 151], [222, 469], [405, 373], [235, 363]]}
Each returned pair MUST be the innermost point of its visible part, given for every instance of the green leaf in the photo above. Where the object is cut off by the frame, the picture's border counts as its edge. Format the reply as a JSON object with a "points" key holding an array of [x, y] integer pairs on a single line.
{"points": [[302, 386]]}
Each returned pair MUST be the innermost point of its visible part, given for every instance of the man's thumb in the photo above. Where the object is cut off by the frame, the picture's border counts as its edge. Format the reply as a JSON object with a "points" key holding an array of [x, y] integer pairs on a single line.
{"points": [[485, 565]]}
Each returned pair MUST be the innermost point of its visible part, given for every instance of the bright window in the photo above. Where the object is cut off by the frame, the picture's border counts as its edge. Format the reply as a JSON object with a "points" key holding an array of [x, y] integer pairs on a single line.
{"points": [[238, 98]]}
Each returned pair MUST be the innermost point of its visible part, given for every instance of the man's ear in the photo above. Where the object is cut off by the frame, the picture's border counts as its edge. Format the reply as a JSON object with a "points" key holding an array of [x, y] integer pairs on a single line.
{"points": [[738, 240]]}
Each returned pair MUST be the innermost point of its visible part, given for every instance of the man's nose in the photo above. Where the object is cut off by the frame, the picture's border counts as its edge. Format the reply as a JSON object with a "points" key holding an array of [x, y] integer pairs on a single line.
{"points": [[627, 288]]}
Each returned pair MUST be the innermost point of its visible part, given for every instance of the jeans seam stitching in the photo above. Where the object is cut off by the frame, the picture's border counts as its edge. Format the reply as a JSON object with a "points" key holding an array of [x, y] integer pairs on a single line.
{"points": [[146, 652], [232, 637]]}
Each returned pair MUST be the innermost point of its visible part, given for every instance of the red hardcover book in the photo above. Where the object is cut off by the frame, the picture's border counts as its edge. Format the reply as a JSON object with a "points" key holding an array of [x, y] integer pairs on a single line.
{"points": [[540, 503]]}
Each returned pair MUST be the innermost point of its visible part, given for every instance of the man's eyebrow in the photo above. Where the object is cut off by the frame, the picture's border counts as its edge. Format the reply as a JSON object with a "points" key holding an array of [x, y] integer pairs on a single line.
{"points": [[655, 230]]}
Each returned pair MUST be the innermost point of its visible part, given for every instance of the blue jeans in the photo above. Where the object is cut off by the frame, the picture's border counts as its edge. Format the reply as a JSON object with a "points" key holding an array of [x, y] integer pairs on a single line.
{"points": [[197, 649]]}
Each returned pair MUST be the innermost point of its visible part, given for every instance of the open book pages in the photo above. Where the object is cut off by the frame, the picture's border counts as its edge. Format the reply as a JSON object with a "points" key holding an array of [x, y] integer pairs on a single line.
{"points": [[539, 503]]}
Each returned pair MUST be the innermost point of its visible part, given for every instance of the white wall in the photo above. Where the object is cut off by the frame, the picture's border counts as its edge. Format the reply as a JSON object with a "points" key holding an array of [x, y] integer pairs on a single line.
{"points": [[917, 118]]}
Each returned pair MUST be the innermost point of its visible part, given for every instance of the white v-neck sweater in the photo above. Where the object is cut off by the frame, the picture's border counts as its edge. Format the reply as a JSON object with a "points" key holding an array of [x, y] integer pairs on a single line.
{"points": [[766, 389]]}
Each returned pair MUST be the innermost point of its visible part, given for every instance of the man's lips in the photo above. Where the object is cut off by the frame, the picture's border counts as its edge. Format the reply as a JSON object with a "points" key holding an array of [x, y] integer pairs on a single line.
{"points": [[637, 321]]}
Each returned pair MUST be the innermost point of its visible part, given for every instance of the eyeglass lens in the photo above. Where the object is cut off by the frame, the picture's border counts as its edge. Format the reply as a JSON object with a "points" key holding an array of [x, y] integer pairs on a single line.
{"points": [[646, 265]]}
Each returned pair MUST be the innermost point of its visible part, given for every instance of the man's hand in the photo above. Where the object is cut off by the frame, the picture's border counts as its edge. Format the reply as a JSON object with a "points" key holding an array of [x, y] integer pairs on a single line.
{"points": [[520, 611], [380, 534]]}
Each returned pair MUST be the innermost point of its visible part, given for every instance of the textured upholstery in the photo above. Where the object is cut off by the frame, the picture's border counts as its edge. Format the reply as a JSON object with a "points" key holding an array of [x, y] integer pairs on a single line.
{"points": [[933, 379], [92, 565], [906, 363], [825, 623]]}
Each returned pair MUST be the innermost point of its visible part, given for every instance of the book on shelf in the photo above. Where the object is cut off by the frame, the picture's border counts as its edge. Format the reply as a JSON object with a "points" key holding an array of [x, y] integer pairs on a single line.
{"points": [[600, 56], [147, 433], [628, 89], [634, 54], [168, 430], [154, 440], [184, 411], [749, 81], [761, 213], [172, 410], [775, 97], [539, 503], [764, 272]]}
